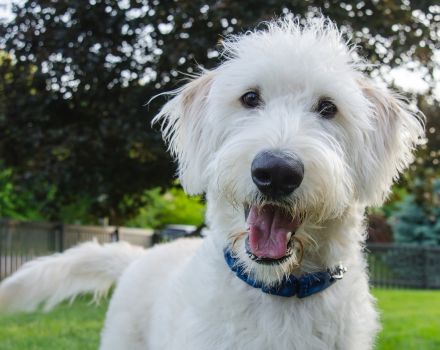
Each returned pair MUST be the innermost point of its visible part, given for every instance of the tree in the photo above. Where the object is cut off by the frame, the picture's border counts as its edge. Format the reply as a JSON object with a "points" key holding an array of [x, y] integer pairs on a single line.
{"points": [[80, 73], [70, 117], [417, 223], [417, 217]]}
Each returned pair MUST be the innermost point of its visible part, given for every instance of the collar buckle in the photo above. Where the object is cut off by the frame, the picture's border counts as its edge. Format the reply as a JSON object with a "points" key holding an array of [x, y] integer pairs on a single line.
{"points": [[338, 272]]}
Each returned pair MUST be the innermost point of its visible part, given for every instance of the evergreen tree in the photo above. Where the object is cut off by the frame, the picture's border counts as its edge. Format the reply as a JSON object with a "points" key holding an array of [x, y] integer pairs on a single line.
{"points": [[416, 222]]}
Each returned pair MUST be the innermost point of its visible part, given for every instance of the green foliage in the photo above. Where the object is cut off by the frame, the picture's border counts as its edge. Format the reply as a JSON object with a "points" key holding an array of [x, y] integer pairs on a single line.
{"points": [[161, 208], [7, 204], [32, 202], [418, 221], [172, 207], [18, 203], [78, 212]]}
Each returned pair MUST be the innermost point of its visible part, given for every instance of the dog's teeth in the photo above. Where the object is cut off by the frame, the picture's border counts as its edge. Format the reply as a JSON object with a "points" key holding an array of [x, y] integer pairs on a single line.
{"points": [[289, 236]]}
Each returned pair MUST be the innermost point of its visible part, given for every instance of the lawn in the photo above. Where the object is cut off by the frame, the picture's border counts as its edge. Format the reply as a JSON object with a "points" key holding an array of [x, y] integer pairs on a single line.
{"points": [[411, 320], [67, 327]]}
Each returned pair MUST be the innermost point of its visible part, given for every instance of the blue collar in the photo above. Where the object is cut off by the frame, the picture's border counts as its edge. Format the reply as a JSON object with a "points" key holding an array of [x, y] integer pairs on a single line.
{"points": [[302, 287]]}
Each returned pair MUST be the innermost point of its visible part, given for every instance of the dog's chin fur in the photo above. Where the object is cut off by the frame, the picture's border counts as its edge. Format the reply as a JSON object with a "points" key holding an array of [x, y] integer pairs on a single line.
{"points": [[271, 274], [183, 295]]}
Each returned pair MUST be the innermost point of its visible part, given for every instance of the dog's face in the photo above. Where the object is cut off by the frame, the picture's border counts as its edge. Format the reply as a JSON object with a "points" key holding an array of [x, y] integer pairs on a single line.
{"points": [[285, 135]]}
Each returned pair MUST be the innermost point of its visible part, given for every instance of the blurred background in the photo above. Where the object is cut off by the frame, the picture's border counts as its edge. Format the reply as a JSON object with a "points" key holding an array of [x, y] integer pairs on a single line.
{"points": [[77, 149], [75, 139]]}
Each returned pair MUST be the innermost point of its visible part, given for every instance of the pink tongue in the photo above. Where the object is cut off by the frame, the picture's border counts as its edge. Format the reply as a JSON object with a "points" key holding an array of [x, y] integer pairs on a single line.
{"points": [[268, 229]]}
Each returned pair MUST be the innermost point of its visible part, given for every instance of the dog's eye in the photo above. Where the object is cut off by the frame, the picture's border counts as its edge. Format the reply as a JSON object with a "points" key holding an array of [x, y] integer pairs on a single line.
{"points": [[326, 108], [251, 99]]}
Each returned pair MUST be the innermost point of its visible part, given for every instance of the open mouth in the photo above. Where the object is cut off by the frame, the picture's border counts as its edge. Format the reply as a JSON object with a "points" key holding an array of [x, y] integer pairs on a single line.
{"points": [[271, 230]]}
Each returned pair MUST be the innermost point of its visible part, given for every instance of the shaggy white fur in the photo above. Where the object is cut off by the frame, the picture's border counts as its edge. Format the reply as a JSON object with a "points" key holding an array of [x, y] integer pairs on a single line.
{"points": [[183, 295]]}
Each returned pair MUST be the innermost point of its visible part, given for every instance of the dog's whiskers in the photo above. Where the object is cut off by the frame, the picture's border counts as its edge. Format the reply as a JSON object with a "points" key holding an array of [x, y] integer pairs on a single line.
{"points": [[235, 237]]}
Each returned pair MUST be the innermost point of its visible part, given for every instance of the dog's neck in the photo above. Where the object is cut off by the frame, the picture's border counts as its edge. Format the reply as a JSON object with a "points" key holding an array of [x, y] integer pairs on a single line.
{"points": [[337, 240]]}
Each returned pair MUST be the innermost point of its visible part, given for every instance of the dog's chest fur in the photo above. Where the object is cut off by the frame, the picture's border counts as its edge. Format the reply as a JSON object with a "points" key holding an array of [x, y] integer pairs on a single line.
{"points": [[222, 312]]}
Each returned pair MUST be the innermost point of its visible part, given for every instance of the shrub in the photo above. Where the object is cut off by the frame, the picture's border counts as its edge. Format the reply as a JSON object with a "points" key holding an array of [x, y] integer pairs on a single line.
{"points": [[171, 207]]}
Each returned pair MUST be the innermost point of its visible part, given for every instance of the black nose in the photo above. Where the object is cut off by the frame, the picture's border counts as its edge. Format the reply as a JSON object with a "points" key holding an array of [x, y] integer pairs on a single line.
{"points": [[276, 173]]}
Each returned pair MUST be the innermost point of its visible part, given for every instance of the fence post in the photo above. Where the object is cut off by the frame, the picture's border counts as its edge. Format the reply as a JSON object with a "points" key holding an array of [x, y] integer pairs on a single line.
{"points": [[114, 236], [426, 268], [60, 235]]}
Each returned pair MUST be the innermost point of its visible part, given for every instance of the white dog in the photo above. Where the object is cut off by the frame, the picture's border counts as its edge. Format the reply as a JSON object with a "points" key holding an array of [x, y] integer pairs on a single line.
{"points": [[291, 142]]}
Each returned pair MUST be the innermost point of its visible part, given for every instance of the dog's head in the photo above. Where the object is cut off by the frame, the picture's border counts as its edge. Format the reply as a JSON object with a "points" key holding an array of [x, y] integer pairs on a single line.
{"points": [[284, 136]]}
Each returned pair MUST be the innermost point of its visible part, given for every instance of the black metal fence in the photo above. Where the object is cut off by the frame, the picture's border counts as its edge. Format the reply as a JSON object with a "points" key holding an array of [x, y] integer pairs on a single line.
{"points": [[390, 265], [404, 266], [21, 241]]}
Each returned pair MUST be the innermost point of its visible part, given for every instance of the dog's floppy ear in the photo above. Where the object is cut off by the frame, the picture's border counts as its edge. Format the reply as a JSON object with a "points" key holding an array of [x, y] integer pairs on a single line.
{"points": [[389, 145], [182, 125]]}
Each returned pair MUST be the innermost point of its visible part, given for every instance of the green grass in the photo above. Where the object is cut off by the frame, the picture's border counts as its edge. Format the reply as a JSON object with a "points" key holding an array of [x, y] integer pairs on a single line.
{"points": [[411, 320], [68, 327]]}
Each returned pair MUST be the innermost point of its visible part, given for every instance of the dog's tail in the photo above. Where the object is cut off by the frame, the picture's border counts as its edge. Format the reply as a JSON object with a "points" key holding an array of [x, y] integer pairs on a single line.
{"points": [[87, 268]]}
